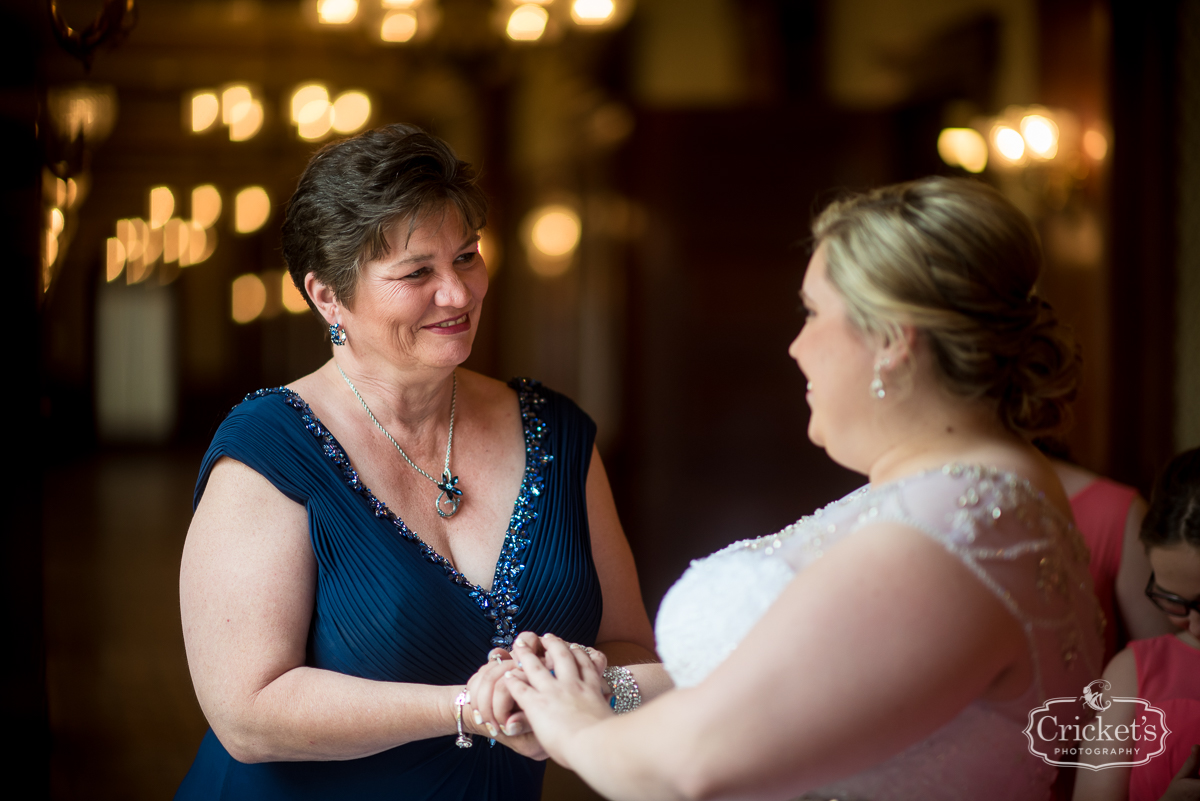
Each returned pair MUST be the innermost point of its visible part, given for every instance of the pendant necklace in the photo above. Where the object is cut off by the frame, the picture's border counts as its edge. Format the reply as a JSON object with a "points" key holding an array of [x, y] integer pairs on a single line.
{"points": [[450, 497]]}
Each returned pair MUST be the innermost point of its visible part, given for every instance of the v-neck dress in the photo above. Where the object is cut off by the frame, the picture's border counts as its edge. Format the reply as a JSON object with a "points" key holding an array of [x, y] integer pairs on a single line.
{"points": [[390, 608]]}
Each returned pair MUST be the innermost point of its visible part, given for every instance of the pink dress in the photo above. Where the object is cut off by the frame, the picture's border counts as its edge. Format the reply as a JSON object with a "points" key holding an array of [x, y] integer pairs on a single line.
{"points": [[1101, 509], [1168, 673]]}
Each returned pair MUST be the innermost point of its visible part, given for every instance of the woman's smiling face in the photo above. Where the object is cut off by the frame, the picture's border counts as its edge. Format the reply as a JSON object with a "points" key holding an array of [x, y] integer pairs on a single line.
{"points": [[418, 304], [838, 361]]}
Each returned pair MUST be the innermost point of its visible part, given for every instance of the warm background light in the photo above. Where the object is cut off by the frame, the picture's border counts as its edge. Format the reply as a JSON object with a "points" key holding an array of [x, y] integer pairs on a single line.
{"points": [[337, 12], [350, 111], [1041, 134], [55, 221], [398, 26], [201, 244], [205, 110], [293, 299], [1009, 143], [963, 147], [176, 239], [490, 252], [248, 119], [162, 206], [251, 208], [527, 23], [248, 297], [235, 102], [49, 249], [206, 205], [555, 231], [305, 94], [592, 12], [1095, 145], [114, 258]]}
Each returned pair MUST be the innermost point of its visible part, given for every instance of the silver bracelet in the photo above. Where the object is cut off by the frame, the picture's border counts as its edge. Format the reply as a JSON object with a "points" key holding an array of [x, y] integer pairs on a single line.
{"points": [[626, 696], [464, 740]]}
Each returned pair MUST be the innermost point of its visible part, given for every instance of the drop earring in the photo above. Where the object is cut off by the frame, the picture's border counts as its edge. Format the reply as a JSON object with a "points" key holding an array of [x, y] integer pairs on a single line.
{"points": [[337, 335], [877, 388]]}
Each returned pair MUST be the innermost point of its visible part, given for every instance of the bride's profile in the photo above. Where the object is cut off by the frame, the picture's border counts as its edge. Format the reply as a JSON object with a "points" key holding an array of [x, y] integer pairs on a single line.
{"points": [[892, 644]]}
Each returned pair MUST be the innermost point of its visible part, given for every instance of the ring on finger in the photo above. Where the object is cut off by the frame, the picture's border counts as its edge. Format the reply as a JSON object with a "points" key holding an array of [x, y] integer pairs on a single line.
{"points": [[496, 658]]}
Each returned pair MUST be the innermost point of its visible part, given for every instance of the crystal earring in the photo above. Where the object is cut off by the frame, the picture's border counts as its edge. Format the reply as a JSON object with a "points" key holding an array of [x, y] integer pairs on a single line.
{"points": [[877, 388], [337, 334]]}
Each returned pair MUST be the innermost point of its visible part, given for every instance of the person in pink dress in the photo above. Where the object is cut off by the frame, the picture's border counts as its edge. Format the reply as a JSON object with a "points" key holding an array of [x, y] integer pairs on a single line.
{"points": [[1163, 670], [1109, 517]]}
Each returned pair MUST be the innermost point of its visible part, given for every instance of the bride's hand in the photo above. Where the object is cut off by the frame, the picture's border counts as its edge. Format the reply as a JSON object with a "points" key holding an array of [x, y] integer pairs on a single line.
{"points": [[561, 703], [492, 712]]}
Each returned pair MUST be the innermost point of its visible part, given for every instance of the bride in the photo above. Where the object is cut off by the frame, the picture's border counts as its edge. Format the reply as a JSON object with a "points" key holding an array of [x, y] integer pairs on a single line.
{"points": [[892, 644]]}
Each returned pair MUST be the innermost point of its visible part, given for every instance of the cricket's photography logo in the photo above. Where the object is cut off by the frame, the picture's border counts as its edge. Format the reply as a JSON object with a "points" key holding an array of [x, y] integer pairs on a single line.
{"points": [[1109, 731]]}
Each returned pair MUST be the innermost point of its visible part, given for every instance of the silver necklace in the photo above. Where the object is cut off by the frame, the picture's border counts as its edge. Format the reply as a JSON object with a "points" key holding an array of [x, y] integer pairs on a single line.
{"points": [[450, 497]]}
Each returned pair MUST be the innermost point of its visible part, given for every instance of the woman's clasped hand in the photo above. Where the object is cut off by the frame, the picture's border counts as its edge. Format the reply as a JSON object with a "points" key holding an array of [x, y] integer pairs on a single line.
{"points": [[492, 706]]}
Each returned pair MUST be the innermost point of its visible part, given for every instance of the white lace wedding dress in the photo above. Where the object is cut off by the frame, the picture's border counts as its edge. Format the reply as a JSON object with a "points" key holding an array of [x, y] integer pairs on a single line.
{"points": [[1005, 533]]}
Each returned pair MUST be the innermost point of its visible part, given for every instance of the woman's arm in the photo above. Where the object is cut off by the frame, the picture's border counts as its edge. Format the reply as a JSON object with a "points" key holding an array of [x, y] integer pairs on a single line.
{"points": [[873, 647], [246, 595], [1142, 619], [1110, 784]]}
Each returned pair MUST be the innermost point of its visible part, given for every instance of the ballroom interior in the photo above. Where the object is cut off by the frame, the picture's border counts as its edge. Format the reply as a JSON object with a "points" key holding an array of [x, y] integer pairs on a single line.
{"points": [[652, 168]]}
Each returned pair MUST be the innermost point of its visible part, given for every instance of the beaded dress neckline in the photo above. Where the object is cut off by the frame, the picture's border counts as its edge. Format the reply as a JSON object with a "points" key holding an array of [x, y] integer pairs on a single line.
{"points": [[502, 601]]}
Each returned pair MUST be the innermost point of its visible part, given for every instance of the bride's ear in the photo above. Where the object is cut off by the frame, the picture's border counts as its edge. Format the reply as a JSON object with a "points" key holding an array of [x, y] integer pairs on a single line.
{"points": [[897, 350]]}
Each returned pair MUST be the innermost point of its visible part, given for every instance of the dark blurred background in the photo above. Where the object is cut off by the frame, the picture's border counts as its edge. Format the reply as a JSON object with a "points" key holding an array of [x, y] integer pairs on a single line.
{"points": [[653, 167]]}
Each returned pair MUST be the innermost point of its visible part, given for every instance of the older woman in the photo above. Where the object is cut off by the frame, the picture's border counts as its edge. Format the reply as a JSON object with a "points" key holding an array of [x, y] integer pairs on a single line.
{"points": [[367, 537], [892, 644]]}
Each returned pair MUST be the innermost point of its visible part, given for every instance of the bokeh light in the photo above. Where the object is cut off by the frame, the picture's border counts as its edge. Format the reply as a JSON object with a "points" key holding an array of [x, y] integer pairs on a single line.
{"points": [[162, 206], [963, 147], [235, 102], [114, 258], [555, 231], [205, 110], [527, 23], [398, 26], [248, 297], [55, 221], [251, 209], [1041, 134], [304, 95], [248, 120], [351, 111], [201, 244], [176, 240], [293, 298], [206, 205], [592, 12], [337, 12], [1009, 143], [1095, 145]]}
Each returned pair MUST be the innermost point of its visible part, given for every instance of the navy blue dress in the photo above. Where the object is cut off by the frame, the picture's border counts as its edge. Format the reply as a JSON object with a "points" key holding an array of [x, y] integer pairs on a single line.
{"points": [[389, 608]]}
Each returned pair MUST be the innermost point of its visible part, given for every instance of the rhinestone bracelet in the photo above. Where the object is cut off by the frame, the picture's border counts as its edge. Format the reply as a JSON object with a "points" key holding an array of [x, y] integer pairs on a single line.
{"points": [[463, 740], [626, 696]]}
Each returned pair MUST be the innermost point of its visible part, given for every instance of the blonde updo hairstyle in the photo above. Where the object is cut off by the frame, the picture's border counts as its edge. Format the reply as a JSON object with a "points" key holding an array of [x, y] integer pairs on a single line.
{"points": [[958, 262]]}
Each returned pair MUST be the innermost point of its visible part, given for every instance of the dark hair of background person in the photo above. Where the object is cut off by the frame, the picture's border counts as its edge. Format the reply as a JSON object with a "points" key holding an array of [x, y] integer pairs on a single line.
{"points": [[354, 190], [1174, 514]]}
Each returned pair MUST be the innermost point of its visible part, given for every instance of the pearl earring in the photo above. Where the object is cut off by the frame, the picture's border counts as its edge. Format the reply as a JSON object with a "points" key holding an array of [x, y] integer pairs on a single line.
{"points": [[877, 388]]}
